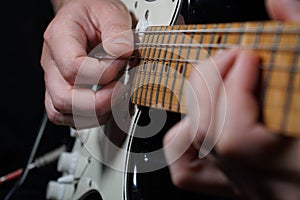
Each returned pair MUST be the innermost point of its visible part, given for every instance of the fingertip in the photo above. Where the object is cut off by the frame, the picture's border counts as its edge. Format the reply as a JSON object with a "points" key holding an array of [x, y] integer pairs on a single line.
{"points": [[119, 44], [246, 69], [116, 29]]}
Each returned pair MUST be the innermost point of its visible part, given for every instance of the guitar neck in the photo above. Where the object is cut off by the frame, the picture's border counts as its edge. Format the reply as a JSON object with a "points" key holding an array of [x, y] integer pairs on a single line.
{"points": [[167, 54]]}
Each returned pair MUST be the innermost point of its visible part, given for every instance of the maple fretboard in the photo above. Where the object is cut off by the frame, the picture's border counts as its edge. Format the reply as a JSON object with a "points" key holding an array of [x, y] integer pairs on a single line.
{"points": [[167, 54]]}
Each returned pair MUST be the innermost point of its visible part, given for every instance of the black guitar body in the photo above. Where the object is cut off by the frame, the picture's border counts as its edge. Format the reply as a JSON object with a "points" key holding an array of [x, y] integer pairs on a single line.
{"points": [[156, 185]]}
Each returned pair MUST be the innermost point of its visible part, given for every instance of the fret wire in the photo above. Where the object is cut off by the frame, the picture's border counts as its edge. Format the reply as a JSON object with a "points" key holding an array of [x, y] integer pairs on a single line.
{"points": [[257, 35], [160, 102], [271, 52], [170, 76], [278, 67], [160, 90], [277, 87], [142, 51], [212, 37], [169, 65], [184, 110], [223, 44], [200, 42], [162, 66], [290, 87], [155, 68], [269, 30], [146, 68], [241, 34], [218, 46], [270, 66], [183, 75], [176, 71]]}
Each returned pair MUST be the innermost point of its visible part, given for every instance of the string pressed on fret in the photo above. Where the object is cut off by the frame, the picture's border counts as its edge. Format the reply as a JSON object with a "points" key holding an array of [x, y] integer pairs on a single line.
{"points": [[176, 49], [182, 70], [268, 73], [175, 81], [138, 79], [155, 70], [169, 69], [152, 68], [285, 122], [146, 67], [161, 64]]}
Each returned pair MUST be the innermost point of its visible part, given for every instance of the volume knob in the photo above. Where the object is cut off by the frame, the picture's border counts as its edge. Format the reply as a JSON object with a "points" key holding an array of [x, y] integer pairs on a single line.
{"points": [[68, 162], [59, 191]]}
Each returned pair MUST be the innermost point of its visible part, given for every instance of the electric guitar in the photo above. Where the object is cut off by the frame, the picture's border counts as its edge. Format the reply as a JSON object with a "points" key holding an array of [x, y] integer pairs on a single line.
{"points": [[124, 159]]}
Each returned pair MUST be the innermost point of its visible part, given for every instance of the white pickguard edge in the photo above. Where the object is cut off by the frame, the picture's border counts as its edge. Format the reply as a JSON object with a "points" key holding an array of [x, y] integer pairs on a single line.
{"points": [[110, 182]]}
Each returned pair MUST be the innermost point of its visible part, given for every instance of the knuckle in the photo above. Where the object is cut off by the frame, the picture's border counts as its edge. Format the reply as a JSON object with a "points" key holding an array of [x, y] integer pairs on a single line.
{"points": [[51, 28], [180, 179], [47, 34], [54, 116], [69, 71], [59, 102], [226, 149], [114, 6]]}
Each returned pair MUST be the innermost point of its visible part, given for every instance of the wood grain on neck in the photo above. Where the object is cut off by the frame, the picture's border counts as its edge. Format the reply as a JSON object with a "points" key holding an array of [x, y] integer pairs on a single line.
{"points": [[167, 55]]}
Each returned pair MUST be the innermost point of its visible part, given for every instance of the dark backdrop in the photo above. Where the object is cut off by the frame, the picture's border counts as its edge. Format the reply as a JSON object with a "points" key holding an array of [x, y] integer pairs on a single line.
{"points": [[22, 95]]}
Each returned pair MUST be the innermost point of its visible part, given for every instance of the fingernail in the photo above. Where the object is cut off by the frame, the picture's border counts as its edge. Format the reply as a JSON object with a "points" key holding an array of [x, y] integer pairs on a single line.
{"points": [[123, 41], [224, 52], [219, 52]]}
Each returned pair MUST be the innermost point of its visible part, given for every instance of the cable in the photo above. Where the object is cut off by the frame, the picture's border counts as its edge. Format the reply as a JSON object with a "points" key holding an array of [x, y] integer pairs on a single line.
{"points": [[21, 180], [38, 162]]}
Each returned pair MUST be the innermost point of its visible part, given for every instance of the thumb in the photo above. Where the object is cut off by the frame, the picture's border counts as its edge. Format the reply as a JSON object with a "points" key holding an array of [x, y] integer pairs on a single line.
{"points": [[115, 27]]}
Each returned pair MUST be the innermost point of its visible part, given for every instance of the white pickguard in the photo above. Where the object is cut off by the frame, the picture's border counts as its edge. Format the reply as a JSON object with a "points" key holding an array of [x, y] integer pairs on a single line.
{"points": [[92, 147], [157, 12]]}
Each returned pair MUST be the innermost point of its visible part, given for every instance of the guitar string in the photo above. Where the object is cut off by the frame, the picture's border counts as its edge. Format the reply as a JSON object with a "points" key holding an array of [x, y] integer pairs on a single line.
{"points": [[145, 66], [158, 103], [175, 74], [280, 87], [270, 68], [264, 66], [265, 30], [183, 72], [168, 70], [258, 32], [163, 63], [153, 53], [143, 51], [220, 46], [289, 95]]}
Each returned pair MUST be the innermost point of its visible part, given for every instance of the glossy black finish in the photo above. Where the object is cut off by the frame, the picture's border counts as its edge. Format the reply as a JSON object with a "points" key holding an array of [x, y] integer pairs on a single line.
{"points": [[217, 11], [157, 184]]}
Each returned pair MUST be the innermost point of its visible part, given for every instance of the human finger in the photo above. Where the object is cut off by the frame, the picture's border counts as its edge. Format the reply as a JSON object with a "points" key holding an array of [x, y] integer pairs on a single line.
{"points": [[203, 88], [283, 9], [242, 133], [69, 44], [69, 100], [187, 170]]}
